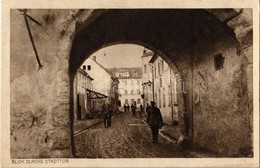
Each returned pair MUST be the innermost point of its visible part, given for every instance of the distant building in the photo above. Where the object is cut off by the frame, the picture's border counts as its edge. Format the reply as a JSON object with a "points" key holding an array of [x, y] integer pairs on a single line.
{"points": [[147, 77], [159, 85], [82, 102], [105, 84], [130, 85]]}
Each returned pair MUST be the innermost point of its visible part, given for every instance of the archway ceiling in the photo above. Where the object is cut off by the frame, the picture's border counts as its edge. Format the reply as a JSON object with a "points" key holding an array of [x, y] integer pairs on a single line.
{"points": [[159, 29]]}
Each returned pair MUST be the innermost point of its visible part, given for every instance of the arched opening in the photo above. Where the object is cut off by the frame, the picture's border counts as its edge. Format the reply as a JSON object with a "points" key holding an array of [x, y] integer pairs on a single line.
{"points": [[147, 78], [188, 39]]}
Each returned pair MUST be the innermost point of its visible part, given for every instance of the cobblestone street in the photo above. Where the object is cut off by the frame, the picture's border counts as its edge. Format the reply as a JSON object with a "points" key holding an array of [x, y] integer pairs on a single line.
{"points": [[128, 137]]}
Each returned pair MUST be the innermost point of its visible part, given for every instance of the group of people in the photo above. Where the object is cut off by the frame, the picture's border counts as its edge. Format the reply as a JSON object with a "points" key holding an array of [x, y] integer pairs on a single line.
{"points": [[154, 117], [133, 109]]}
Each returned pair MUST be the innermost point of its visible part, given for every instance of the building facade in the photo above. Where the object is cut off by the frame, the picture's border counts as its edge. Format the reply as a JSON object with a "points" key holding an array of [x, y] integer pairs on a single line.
{"points": [[105, 85], [159, 85], [130, 85], [147, 77], [82, 101]]}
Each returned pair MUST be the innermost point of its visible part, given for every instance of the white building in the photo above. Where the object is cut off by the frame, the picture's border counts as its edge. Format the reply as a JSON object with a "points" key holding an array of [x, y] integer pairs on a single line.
{"points": [[130, 85], [159, 85], [105, 85], [82, 102], [147, 77]]}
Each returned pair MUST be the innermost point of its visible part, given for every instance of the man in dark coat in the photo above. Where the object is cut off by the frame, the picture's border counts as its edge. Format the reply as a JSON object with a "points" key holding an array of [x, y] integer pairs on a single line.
{"points": [[133, 109], [148, 107], [141, 110], [125, 107], [155, 121]]}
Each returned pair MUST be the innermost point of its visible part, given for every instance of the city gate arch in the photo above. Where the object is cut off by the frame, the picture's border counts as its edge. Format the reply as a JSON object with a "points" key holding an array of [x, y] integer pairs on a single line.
{"points": [[189, 41], [211, 50]]}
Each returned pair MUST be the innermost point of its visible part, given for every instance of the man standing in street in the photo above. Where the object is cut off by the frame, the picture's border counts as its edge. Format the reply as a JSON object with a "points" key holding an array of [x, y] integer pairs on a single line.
{"points": [[148, 107], [141, 110], [155, 121], [125, 107]]}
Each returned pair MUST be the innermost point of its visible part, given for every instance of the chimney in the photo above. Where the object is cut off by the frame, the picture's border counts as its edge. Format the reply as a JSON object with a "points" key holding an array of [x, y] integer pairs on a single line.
{"points": [[94, 58]]}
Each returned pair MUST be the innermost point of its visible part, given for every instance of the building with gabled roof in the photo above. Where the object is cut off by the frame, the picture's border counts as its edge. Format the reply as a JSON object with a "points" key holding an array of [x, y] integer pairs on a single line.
{"points": [[105, 83]]}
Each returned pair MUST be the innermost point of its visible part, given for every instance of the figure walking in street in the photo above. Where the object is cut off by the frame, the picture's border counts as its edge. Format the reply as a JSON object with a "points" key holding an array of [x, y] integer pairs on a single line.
{"points": [[110, 111], [141, 110], [125, 107], [147, 108], [107, 115], [155, 121], [133, 108], [104, 111]]}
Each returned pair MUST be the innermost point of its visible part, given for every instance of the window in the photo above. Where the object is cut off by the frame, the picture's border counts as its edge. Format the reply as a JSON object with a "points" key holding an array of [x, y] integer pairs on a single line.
{"points": [[132, 82], [135, 74], [84, 67], [155, 96], [138, 101], [89, 67], [159, 99], [138, 91], [164, 99], [170, 95], [132, 101], [162, 65], [126, 101], [155, 71], [145, 68], [219, 61], [138, 82], [159, 70], [126, 92], [132, 91]]}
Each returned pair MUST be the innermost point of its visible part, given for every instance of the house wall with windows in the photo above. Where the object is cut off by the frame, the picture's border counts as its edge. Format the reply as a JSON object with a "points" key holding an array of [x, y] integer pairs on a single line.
{"points": [[130, 85], [82, 102], [104, 82], [165, 95], [147, 77]]}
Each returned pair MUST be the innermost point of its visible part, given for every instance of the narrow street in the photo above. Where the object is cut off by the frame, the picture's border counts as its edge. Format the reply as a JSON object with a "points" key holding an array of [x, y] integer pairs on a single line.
{"points": [[128, 137]]}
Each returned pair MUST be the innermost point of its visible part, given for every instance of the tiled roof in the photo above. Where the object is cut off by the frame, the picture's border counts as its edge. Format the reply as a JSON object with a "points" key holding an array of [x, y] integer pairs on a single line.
{"points": [[130, 70]]}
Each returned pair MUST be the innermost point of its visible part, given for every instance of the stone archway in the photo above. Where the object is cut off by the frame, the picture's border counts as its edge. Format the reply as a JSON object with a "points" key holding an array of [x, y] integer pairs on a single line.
{"points": [[189, 39], [176, 35]]}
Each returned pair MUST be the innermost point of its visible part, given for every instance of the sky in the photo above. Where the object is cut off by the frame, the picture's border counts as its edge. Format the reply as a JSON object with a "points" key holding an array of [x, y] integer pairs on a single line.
{"points": [[121, 55]]}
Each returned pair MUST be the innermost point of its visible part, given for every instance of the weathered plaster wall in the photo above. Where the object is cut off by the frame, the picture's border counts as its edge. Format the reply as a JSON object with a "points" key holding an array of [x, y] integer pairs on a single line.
{"points": [[40, 125], [221, 119]]}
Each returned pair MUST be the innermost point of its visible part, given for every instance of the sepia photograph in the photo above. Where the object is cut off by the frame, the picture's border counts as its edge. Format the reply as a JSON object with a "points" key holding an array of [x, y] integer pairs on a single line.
{"points": [[105, 86]]}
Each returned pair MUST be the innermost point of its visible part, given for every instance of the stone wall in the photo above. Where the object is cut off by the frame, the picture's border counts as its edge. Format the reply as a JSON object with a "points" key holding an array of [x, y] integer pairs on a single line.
{"points": [[40, 125], [221, 119]]}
